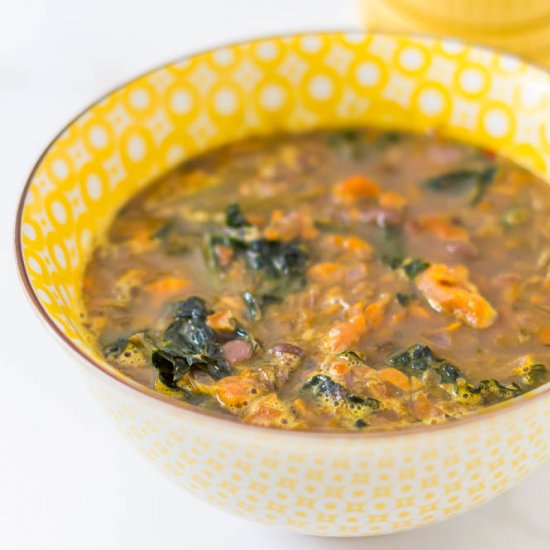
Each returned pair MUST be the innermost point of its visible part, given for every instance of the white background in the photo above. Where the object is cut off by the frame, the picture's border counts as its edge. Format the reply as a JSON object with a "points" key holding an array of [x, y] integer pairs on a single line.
{"points": [[66, 479]]}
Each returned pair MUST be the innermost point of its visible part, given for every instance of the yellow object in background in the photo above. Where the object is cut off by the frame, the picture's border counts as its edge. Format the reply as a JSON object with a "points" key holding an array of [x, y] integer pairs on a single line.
{"points": [[517, 26]]}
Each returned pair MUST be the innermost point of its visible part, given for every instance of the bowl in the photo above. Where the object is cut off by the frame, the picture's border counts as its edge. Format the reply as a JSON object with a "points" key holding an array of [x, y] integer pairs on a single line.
{"points": [[335, 484]]}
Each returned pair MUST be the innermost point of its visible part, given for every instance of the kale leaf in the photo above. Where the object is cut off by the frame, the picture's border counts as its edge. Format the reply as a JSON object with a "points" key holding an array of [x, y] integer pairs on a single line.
{"points": [[403, 299], [235, 218], [457, 180], [323, 388], [189, 342], [414, 267], [417, 359], [282, 263]]}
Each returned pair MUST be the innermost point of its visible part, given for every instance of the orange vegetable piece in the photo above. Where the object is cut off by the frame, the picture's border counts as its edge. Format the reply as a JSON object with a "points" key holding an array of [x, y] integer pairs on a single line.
{"points": [[443, 229], [355, 188], [374, 313], [396, 378], [391, 199], [295, 224], [222, 320], [236, 391], [448, 289], [269, 411], [544, 336], [167, 285], [354, 245], [324, 272], [347, 333]]}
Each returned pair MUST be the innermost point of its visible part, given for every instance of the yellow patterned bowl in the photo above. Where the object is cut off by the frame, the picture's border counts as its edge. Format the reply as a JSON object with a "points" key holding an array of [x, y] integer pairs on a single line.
{"points": [[324, 484]]}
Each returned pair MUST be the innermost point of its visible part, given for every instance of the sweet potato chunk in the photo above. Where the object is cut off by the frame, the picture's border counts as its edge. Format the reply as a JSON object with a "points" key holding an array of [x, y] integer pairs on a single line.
{"points": [[448, 289]]}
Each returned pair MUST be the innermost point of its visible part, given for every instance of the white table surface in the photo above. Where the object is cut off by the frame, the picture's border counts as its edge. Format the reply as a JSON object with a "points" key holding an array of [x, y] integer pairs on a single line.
{"points": [[67, 481]]}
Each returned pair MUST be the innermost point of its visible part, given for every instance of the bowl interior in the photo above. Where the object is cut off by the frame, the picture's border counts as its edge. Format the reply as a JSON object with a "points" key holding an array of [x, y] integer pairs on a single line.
{"points": [[289, 83]]}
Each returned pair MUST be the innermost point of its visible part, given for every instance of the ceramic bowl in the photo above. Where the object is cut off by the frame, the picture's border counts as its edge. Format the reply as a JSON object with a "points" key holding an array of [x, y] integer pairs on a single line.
{"points": [[324, 484]]}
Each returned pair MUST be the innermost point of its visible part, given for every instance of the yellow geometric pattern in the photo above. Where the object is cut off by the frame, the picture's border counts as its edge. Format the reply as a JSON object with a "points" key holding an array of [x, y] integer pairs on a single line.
{"points": [[322, 484]]}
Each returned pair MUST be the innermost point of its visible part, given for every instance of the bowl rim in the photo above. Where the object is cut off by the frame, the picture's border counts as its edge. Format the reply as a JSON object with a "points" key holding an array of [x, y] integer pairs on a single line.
{"points": [[175, 405]]}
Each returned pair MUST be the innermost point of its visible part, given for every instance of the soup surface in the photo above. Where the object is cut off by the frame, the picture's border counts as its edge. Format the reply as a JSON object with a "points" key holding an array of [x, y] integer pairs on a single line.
{"points": [[349, 279]]}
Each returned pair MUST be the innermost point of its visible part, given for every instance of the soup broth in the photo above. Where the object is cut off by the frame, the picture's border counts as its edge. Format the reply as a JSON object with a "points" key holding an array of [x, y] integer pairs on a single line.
{"points": [[346, 280]]}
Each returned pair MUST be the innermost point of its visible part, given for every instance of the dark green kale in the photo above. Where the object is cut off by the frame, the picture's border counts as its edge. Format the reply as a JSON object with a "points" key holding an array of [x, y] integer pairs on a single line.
{"points": [[116, 348], [323, 388], [414, 267], [417, 359], [493, 391], [532, 375], [235, 218], [456, 180], [404, 299], [278, 260], [482, 183], [282, 264], [478, 180], [189, 342]]}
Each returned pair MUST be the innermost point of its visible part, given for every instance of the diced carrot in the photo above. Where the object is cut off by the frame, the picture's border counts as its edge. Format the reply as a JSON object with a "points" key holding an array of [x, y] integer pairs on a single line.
{"points": [[346, 333], [222, 320], [544, 336], [391, 199], [396, 378], [291, 225], [448, 289], [443, 229], [350, 243], [355, 188], [374, 313], [340, 369], [270, 411], [235, 391], [324, 272], [167, 285]]}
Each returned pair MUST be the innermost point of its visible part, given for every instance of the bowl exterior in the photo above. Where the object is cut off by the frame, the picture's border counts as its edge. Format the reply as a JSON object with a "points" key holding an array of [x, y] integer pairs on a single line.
{"points": [[333, 485], [313, 483]]}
